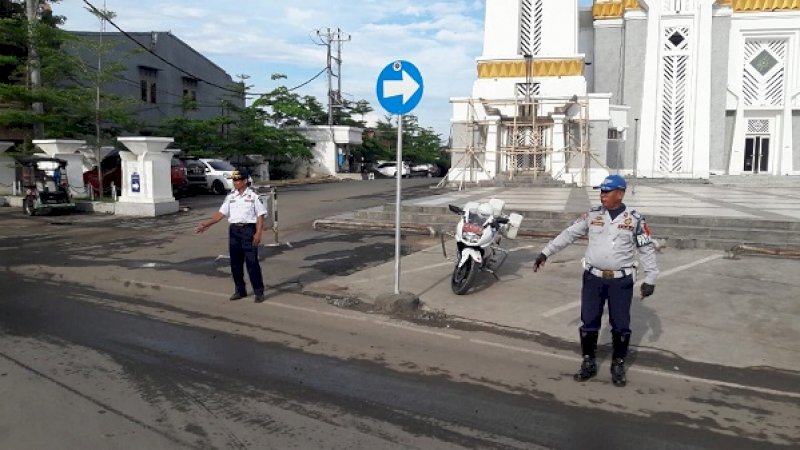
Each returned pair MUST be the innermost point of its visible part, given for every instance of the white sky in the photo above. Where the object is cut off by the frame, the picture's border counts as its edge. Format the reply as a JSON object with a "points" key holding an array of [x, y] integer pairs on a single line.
{"points": [[261, 37]]}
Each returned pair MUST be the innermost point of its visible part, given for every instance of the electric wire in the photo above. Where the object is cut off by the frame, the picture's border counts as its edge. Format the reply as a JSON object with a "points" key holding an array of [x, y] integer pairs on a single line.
{"points": [[310, 80], [180, 69]]}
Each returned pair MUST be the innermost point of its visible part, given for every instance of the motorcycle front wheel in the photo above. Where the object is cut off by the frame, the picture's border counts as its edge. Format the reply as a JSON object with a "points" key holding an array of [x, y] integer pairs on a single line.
{"points": [[27, 206], [463, 277]]}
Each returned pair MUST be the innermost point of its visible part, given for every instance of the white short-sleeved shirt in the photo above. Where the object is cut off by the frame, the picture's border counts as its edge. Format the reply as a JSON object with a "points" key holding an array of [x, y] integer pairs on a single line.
{"points": [[613, 243], [242, 208]]}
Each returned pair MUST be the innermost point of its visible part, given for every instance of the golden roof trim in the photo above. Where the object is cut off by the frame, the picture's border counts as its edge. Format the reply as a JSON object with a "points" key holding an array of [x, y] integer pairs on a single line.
{"points": [[564, 67], [613, 9], [764, 5]]}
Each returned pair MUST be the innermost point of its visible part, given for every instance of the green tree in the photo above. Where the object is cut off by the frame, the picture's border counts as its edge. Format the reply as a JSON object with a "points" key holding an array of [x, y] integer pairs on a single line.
{"points": [[195, 137], [263, 128], [250, 134], [360, 107], [285, 109], [68, 89], [419, 144]]}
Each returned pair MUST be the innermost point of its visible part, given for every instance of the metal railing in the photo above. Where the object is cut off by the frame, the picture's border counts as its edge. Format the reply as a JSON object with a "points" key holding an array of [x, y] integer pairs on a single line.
{"points": [[270, 201]]}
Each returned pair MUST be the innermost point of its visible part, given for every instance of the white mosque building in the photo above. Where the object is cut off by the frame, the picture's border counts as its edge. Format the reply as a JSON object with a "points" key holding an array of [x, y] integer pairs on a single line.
{"points": [[681, 89]]}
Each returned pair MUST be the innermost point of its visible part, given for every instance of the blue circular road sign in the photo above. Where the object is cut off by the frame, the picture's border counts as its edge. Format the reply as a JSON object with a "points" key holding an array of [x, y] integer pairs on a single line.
{"points": [[399, 87]]}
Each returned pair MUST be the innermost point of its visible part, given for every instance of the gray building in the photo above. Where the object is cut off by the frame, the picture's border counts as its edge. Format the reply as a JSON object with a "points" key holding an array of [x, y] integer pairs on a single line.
{"points": [[160, 71]]}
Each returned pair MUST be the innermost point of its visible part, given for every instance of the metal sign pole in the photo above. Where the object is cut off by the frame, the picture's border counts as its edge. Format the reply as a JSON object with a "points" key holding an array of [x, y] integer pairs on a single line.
{"points": [[399, 175], [274, 194], [399, 89]]}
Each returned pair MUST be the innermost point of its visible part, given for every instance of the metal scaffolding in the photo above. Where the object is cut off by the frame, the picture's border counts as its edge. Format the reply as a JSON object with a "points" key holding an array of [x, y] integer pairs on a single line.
{"points": [[522, 130]]}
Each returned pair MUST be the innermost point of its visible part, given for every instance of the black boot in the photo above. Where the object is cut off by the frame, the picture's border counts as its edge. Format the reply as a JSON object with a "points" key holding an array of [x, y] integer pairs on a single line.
{"points": [[588, 369], [620, 342], [618, 373], [588, 348]]}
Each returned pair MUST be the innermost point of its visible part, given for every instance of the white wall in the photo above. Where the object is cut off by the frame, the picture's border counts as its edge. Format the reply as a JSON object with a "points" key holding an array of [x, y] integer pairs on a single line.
{"points": [[501, 29], [7, 174], [782, 25], [325, 139], [560, 28]]}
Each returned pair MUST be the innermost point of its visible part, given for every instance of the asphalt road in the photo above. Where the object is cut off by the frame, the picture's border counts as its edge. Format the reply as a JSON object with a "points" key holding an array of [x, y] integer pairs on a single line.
{"points": [[118, 334]]}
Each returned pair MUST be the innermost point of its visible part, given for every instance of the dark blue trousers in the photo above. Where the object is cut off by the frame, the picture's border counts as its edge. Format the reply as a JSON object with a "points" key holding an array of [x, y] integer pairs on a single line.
{"points": [[242, 251], [595, 292]]}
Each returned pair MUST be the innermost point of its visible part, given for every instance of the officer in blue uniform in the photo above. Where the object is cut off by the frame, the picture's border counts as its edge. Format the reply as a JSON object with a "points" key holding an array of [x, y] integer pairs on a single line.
{"points": [[616, 235], [245, 212]]}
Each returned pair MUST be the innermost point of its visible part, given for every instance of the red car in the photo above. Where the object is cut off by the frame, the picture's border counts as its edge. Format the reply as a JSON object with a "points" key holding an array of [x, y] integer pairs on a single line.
{"points": [[112, 172], [180, 181]]}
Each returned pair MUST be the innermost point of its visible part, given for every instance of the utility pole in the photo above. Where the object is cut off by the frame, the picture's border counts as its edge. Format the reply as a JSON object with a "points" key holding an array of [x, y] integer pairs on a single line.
{"points": [[32, 13], [333, 40], [97, 108]]}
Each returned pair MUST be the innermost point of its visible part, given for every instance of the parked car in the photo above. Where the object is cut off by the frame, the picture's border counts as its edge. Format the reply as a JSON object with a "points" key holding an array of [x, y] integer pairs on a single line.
{"points": [[196, 175], [423, 170], [218, 175], [389, 169], [180, 182], [111, 166]]}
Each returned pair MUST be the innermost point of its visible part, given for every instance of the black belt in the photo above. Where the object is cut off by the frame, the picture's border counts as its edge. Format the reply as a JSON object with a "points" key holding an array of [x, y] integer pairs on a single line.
{"points": [[242, 225]]}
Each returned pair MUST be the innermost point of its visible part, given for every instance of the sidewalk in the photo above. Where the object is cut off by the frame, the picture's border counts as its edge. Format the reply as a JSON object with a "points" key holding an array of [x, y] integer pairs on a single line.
{"points": [[707, 308], [730, 201]]}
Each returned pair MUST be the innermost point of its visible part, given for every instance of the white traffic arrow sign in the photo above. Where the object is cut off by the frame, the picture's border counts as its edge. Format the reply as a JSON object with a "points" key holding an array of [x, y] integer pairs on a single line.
{"points": [[406, 87]]}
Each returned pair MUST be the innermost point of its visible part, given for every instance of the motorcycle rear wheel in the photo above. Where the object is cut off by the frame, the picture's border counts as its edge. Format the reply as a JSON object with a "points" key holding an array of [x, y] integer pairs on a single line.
{"points": [[463, 277]]}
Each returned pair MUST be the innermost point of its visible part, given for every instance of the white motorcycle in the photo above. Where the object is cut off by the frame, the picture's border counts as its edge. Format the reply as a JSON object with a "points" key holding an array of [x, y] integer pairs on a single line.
{"points": [[478, 235]]}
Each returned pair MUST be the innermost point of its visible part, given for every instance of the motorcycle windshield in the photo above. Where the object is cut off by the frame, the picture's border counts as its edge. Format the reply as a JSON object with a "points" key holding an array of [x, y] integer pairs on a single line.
{"points": [[476, 219]]}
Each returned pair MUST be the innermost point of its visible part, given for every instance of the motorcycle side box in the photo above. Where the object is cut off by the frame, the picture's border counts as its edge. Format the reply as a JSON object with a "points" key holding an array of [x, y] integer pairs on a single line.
{"points": [[497, 206], [514, 222]]}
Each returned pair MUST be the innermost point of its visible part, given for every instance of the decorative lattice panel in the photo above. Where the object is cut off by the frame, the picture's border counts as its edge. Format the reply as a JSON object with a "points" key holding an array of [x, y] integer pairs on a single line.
{"points": [[525, 90], [763, 75], [525, 25], [758, 126], [538, 17], [676, 39], [530, 27], [675, 60]]}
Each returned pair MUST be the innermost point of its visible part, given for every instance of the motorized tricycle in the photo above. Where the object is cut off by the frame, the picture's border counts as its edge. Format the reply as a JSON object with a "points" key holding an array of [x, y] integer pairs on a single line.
{"points": [[44, 185]]}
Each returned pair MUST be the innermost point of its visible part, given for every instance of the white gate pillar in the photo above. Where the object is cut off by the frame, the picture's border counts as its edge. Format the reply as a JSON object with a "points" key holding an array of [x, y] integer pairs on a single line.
{"points": [[7, 173], [146, 178]]}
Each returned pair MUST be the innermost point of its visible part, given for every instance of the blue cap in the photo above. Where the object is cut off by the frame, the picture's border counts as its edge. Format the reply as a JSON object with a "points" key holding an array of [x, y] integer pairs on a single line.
{"points": [[612, 183]]}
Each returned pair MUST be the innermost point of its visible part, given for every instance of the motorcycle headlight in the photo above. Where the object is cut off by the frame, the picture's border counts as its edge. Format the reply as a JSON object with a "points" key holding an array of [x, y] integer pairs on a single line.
{"points": [[471, 238]]}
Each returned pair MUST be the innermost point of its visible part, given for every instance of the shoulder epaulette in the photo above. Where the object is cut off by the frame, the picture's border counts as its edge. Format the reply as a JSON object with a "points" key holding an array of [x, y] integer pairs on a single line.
{"points": [[636, 215]]}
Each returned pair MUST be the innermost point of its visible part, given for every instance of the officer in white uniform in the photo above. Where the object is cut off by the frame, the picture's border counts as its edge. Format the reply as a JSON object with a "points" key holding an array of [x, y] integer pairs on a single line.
{"points": [[616, 235], [245, 213]]}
